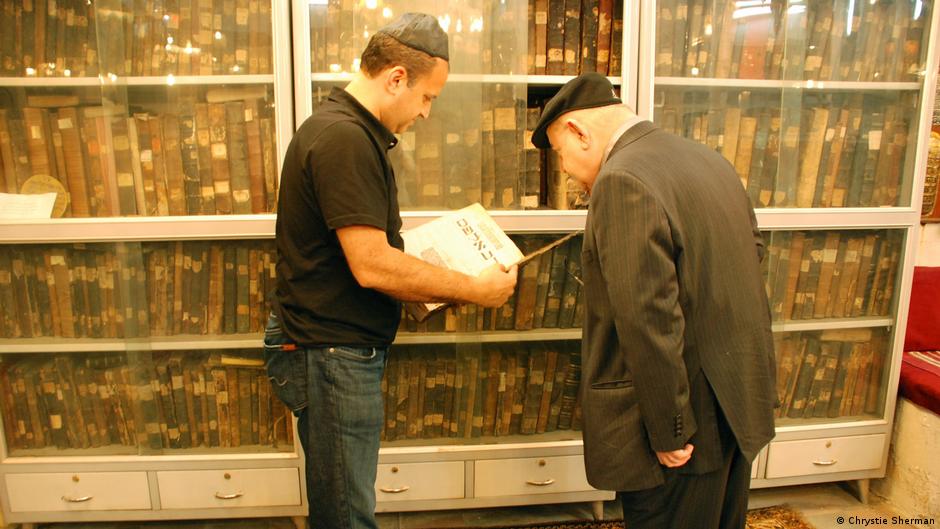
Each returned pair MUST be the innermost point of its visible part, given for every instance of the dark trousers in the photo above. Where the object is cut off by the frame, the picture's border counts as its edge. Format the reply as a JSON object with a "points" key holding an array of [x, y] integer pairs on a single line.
{"points": [[714, 500]]}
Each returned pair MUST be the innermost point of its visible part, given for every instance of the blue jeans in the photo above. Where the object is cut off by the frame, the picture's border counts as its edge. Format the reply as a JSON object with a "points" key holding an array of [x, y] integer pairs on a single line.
{"points": [[339, 429]]}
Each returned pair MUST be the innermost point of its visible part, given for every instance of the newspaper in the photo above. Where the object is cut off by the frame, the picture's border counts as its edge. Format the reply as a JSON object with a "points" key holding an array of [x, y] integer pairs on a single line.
{"points": [[467, 240]]}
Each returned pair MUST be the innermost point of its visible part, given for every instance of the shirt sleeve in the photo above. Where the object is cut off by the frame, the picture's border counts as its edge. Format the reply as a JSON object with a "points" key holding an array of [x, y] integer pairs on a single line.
{"points": [[636, 255], [348, 177]]}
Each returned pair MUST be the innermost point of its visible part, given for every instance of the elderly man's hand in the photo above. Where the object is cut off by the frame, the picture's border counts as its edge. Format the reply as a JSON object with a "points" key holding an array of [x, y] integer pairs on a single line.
{"points": [[675, 458]]}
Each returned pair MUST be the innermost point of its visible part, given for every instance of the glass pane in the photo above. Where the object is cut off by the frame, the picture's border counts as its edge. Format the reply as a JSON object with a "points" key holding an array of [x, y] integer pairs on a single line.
{"points": [[832, 274], [834, 374], [142, 150], [487, 393], [470, 149], [843, 40], [141, 403], [156, 289], [484, 36], [572, 38], [803, 148], [930, 212], [548, 296], [493, 375], [141, 128], [208, 288], [72, 291], [115, 37]]}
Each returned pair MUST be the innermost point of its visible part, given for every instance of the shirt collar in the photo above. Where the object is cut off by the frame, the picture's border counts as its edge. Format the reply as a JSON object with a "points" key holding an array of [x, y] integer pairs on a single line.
{"points": [[382, 135], [630, 122]]}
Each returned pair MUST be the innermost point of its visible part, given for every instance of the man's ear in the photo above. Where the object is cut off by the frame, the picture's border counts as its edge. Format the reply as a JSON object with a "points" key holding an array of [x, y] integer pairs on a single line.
{"points": [[396, 78], [580, 131]]}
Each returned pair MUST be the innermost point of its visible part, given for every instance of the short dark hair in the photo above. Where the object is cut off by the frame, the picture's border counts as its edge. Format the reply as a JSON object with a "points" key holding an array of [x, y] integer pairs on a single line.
{"points": [[384, 51]]}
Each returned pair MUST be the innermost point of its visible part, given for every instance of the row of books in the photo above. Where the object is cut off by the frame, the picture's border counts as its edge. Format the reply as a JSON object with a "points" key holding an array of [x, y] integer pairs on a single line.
{"points": [[166, 289], [77, 38], [493, 392], [450, 160], [548, 296], [841, 40], [832, 274], [571, 37], [824, 150], [468, 151], [930, 211], [164, 401], [828, 374], [199, 159], [128, 291], [563, 37]]}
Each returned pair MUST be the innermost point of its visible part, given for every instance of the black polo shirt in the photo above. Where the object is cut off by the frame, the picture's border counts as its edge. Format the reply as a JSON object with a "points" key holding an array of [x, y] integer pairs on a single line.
{"points": [[336, 173]]}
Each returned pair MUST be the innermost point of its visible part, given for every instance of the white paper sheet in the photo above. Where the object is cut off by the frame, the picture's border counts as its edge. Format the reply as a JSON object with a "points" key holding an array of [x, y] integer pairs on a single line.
{"points": [[26, 206]]}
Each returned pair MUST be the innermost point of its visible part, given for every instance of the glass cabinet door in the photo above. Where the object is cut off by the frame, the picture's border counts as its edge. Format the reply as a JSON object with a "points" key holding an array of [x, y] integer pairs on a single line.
{"points": [[144, 108], [832, 375], [828, 274], [814, 104], [506, 60], [119, 349], [839, 40], [833, 298], [470, 374], [470, 148], [490, 392]]}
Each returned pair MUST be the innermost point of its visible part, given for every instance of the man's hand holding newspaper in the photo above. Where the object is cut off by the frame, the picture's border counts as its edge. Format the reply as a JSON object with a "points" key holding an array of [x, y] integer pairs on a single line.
{"points": [[468, 241]]}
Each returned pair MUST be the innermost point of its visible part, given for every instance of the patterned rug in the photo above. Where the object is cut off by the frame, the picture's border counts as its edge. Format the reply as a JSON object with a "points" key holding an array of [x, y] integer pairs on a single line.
{"points": [[779, 517]]}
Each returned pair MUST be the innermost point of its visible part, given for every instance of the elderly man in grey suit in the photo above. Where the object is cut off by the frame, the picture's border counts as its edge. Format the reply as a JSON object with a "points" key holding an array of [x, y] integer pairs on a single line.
{"points": [[678, 368]]}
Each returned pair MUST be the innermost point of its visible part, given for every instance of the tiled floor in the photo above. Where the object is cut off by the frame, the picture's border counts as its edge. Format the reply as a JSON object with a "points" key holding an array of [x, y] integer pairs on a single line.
{"points": [[821, 505]]}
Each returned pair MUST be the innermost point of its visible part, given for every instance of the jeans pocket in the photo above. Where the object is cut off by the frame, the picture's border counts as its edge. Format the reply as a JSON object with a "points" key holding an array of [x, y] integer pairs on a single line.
{"points": [[286, 367], [358, 354]]}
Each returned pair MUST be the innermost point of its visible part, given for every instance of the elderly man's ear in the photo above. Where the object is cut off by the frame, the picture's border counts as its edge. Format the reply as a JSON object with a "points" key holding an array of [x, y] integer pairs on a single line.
{"points": [[580, 131]]}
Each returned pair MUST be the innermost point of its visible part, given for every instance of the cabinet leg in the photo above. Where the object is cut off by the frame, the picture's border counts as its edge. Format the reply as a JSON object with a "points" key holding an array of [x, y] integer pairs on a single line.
{"points": [[300, 522], [859, 488], [598, 508]]}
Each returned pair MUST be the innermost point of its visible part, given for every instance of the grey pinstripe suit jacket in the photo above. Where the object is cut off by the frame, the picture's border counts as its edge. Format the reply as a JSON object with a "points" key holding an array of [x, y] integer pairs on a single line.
{"points": [[675, 305]]}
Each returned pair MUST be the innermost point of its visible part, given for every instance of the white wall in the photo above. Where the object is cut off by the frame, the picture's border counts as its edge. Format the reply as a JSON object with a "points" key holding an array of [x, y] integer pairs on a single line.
{"points": [[929, 252], [912, 484]]}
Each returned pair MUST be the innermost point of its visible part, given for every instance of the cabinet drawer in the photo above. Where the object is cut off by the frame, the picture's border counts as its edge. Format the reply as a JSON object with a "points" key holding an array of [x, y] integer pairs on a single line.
{"points": [[200, 489], [420, 481], [78, 491], [535, 475], [825, 456]]}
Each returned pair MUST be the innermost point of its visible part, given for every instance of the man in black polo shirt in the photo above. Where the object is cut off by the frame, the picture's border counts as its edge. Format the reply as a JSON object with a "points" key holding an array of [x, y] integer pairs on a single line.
{"points": [[341, 271]]}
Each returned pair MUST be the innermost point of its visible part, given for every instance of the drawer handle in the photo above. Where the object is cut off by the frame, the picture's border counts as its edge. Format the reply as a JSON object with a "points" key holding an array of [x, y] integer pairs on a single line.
{"points": [[545, 483], [403, 488], [80, 499], [826, 463], [229, 496]]}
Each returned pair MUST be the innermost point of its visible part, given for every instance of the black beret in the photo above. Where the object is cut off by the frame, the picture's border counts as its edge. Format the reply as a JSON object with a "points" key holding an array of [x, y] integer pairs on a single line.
{"points": [[419, 31], [584, 91]]}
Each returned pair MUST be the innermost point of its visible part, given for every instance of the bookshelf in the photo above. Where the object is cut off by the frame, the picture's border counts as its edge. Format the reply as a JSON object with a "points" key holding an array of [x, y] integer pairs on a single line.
{"points": [[112, 388], [474, 148], [782, 102]]}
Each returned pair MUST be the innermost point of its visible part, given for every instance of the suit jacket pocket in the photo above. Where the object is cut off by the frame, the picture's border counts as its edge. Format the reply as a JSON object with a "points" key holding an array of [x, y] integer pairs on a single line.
{"points": [[613, 384], [617, 454]]}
